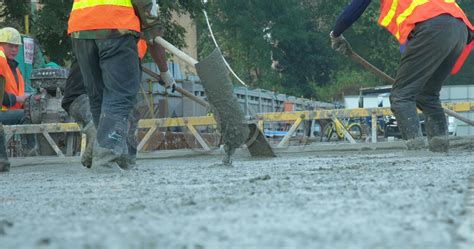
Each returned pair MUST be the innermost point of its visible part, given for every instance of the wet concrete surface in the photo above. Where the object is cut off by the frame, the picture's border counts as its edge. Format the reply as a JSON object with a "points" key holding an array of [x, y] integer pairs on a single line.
{"points": [[362, 199]]}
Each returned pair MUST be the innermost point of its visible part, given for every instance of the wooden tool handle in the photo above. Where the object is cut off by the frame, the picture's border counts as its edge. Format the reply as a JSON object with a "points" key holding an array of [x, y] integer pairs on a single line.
{"points": [[174, 50], [178, 89]]}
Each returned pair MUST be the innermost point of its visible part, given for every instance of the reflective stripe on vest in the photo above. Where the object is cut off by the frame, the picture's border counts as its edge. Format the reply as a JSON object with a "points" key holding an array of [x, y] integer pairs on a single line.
{"points": [[401, 16], [11, 85], [103, 14]]}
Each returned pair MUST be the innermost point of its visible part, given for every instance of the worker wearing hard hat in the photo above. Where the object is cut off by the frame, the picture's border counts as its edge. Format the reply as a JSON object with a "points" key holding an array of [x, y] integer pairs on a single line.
{"points": [[435, 34], [9, 41], [104, 42]]}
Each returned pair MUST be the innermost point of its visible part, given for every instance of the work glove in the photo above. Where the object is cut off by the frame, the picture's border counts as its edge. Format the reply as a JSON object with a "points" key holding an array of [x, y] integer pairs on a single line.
{"points": [[340, 44], [169, 81]]}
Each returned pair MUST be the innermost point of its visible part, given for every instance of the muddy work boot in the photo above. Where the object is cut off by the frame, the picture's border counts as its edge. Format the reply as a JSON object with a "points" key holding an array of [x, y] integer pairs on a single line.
{"points": [[437, 132], [80, 111], [129, 161], [417, 143], [110, 148], [4, 163], [409, 126]]}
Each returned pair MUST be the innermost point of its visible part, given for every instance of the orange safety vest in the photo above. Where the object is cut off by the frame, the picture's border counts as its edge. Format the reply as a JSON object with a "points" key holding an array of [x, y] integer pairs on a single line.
{"points": [[401, 16], [142, 47], [11, 85], [103, 14]]}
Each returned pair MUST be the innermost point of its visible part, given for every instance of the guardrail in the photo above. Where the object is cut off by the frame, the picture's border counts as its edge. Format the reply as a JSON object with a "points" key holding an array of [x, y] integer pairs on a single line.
{"points": [[191, 122]]}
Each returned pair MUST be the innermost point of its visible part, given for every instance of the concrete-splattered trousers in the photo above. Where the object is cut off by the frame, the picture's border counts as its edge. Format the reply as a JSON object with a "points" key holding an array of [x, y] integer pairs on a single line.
{"points": [[111, 72], [430, 55]]}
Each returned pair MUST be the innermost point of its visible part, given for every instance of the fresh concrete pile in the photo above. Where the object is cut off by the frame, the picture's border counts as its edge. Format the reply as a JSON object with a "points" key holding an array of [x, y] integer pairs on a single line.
{"points": [[388, 199]]}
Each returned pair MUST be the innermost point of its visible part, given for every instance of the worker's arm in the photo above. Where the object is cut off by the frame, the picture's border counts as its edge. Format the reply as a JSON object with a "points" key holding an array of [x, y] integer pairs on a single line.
{"points": [[147, 11], [158, 54], [350, 14]]}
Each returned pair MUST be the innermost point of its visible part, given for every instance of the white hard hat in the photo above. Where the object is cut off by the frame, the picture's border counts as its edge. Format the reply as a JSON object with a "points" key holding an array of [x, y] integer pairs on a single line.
{"points": [[10, 35]]}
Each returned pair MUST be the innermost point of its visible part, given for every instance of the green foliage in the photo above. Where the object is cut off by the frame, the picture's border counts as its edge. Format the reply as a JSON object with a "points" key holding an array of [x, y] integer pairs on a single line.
{"points": [[345, 82], [50, 29], [49, 24], [13, 13], [295, 33]]}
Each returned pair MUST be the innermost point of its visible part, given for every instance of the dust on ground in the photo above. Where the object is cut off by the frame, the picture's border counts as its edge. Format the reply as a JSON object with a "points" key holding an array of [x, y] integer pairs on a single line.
{"points": [[391, 199]]}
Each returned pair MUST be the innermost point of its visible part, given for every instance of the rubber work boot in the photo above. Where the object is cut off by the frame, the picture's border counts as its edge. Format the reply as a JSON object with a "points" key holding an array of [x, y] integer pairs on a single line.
{"points": [[4, 163], [80, 111], [417, 143], [110, 148], [409, 126], [130, 160], [437, 132]]}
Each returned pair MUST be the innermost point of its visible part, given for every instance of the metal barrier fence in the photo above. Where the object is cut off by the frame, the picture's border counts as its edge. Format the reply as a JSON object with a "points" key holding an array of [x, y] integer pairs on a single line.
{"points": [[190, 123]]}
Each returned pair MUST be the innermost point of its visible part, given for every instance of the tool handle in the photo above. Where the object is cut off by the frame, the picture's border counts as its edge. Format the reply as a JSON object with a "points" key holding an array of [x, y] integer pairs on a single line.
{"points": [[178, 89], [355, 57], [458, 116], [174, 50]]}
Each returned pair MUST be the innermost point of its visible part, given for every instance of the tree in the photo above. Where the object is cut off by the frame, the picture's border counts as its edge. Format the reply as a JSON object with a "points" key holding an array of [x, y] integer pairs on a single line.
{"points": [[50, 29], [51, 25], [13, 13], [294, 36]]}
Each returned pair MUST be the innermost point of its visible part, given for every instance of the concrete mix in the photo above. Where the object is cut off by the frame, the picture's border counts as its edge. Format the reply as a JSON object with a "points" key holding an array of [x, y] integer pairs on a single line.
{"points": [[215, 79], [389, 199]]}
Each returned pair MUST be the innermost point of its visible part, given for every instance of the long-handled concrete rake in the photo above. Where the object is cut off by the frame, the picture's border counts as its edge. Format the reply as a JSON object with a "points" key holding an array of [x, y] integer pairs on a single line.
{"points": [[379, 73], [215, 79]]}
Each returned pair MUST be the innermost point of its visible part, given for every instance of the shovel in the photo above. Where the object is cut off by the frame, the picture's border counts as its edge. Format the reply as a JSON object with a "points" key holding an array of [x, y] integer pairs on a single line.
{"points": [[215, 79], [379, 73]]}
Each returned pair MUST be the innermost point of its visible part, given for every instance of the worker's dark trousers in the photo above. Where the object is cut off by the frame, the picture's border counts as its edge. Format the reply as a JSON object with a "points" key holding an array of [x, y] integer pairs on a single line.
{"points": [[428, 60], [111, 72], [74, 86]]}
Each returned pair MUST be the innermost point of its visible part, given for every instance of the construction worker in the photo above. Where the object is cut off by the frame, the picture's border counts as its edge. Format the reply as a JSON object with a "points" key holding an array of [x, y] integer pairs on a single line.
{"points": [[76, 103], [104, 36], [13, 93], [434, 34]]}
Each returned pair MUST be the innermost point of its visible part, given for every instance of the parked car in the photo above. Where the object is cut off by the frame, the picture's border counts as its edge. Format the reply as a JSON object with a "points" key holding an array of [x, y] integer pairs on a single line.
{"points": [[392, 130]]}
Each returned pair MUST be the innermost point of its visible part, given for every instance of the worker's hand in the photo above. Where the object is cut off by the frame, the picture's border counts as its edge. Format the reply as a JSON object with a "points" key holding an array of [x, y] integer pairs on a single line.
{"points": [[169, 80], [340, 44], [21, 99]]}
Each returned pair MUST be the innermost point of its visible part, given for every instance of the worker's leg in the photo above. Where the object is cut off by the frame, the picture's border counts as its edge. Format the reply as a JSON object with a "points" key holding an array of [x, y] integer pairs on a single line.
{"points": [[74, 86], [76, 104], [79, 109], [12, 117], [87, 55], [132, 141], [121, 76], [4, 163], [17, 117], [424, 54], [428, 100]]}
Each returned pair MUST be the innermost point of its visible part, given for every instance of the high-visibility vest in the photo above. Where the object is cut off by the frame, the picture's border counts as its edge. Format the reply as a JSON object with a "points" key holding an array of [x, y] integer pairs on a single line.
{"points": [[142, 47], [103, 14], [11, 85], [401, 16]]}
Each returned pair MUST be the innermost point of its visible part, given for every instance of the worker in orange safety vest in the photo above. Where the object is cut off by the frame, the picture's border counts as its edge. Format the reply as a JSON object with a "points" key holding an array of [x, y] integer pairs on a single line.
{"points": [[437, 37], [104, 35]]}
